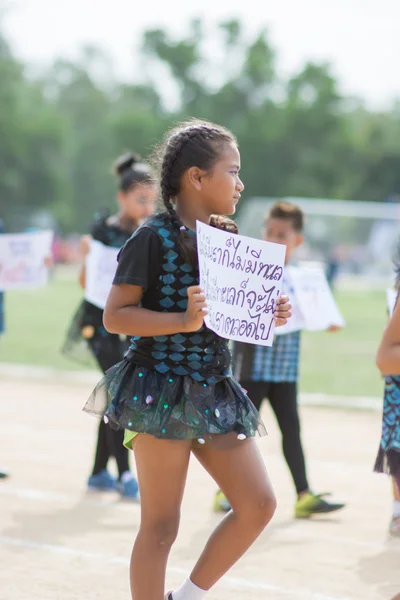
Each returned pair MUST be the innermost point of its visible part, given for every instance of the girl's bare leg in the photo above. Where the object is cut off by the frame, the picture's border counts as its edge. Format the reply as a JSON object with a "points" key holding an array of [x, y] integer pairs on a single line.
{"points": [[162, 467], [238, 469]]}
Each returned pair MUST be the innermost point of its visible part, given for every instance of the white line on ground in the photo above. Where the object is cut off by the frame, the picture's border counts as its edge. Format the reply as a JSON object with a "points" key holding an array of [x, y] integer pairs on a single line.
{"points": [[112, 501], [228, 581]]}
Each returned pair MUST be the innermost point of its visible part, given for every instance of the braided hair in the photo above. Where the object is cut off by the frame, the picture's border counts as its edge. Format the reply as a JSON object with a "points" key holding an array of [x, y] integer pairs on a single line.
{"points": [[196, 143]]}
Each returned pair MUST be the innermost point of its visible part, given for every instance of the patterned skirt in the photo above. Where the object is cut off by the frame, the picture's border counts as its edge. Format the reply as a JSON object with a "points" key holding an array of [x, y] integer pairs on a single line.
{"points": [[171, 406], [388, 459]]}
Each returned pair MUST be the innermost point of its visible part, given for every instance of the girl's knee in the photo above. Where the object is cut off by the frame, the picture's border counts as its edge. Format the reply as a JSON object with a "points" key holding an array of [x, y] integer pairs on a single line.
{"points": [[162, 531], [258, 510], [265, 509]]}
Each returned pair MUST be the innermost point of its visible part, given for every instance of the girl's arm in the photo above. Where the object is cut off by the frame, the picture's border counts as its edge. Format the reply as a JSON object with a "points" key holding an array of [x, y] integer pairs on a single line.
{"points": [[84, 250], [388, 355], [123, 315]]}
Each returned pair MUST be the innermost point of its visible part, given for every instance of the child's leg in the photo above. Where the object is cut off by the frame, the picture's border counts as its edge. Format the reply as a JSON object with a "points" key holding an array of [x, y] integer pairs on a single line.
{"points": [[162, 469], [283, 400], [239, 470], [102, 449], [257, 391], [115, 440], [107, 353]]}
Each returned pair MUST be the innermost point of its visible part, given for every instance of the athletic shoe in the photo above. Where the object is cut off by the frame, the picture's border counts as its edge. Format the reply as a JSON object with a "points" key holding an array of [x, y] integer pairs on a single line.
{"points": [[3, 474], [221, 503], [102, 482], [128, 487], [313, 504], [168, 596]]}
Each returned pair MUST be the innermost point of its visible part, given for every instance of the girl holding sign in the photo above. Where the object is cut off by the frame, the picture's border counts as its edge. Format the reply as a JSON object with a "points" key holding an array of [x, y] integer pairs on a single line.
{"points": [[173, 393], [388, 459], [136, 199]]}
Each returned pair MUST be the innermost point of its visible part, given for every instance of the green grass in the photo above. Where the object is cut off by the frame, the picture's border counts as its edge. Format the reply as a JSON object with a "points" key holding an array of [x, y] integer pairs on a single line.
{"points": [[344, 362], [340, 363]]}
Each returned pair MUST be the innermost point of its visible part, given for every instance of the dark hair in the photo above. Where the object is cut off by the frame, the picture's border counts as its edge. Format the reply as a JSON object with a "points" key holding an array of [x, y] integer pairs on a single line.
{"points": [[131, 171], [191, 144], [287, 212]]}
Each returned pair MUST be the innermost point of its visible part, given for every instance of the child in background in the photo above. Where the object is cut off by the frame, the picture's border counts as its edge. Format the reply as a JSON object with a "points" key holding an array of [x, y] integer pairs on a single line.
{"points": [[173, 393], [272, 372], [388, 458], [87, 335]]}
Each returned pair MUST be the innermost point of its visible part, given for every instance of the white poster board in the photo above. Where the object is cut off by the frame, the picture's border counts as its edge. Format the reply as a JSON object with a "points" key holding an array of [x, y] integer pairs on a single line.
{"points": [[101, 264], [314, 298], [22, 259], [391, 296], [296, 321], [242, 279]]}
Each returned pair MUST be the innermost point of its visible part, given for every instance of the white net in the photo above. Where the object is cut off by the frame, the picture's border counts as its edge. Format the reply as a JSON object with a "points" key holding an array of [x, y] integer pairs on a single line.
{"points": [[353, 239]]}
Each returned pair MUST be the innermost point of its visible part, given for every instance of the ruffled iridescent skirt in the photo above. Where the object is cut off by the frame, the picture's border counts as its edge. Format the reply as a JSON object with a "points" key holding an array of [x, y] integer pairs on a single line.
{"points": [[170, 406], [388, 458]]}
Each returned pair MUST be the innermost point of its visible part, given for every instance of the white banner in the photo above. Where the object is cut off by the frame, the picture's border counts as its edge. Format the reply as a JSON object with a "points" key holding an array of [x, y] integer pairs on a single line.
{"points": [[101, 264], [391, 296], [22, 259], [242, 280], [296, 321], [312, 296]]}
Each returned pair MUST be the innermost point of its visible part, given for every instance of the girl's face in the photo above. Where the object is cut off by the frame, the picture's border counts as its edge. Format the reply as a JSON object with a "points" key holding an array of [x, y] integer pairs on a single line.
{"points": [[221, 189], [139, 202]]}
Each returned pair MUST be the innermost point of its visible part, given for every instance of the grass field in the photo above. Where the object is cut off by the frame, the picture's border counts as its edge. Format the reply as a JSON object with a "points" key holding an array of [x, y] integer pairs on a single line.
{"points": [[341, 363]]}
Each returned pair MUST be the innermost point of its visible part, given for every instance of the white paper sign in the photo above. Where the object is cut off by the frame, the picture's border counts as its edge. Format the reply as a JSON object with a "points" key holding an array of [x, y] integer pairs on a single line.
{"points": [[101, 264], [314, 298], [22, 259], [296, 321], [242, 279], [391, 296]]}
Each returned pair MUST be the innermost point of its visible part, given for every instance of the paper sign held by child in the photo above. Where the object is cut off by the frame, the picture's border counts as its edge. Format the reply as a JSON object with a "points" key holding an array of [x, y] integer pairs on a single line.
{"points": [[23, 259], [391, 296], [314, 307], [101, 265], [242, 280]]}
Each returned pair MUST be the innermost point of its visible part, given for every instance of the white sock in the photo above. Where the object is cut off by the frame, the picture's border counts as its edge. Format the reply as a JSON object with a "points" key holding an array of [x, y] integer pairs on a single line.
{"points": [[395, 510], [188, 591]]}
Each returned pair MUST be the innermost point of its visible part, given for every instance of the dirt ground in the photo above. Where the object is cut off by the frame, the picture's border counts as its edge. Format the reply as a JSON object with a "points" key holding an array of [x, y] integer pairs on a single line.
{"points": [[59, 543]]}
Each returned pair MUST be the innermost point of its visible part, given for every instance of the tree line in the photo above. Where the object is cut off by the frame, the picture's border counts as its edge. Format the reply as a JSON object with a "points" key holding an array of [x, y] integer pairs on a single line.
{"points": [[60, 130]]}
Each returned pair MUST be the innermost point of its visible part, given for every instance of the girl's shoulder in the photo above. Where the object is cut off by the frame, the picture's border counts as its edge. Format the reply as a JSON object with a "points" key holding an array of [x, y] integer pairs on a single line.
{"points": [[161, 224]]}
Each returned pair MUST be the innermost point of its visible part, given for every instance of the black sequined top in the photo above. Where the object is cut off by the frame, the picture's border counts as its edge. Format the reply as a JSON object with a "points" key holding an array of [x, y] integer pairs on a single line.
{"points": [[151, 259]]}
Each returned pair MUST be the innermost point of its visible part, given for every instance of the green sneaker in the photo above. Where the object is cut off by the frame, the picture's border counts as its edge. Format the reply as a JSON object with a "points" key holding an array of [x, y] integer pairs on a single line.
{"points": [[313, 504]]}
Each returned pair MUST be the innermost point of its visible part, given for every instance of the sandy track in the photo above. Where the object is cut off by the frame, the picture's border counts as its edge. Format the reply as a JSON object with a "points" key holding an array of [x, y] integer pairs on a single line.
{"points": [[58, 543]]}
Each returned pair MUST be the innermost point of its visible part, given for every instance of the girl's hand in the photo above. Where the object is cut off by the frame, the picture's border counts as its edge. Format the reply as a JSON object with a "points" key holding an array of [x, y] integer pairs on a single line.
{"points": [[282, 312], [84, 245], [193, 318], [334, 328]]}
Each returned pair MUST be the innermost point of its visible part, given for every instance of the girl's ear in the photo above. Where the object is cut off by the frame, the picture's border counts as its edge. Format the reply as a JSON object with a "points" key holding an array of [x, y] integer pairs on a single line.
{"points": [[194, 176], [299, 240]]}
